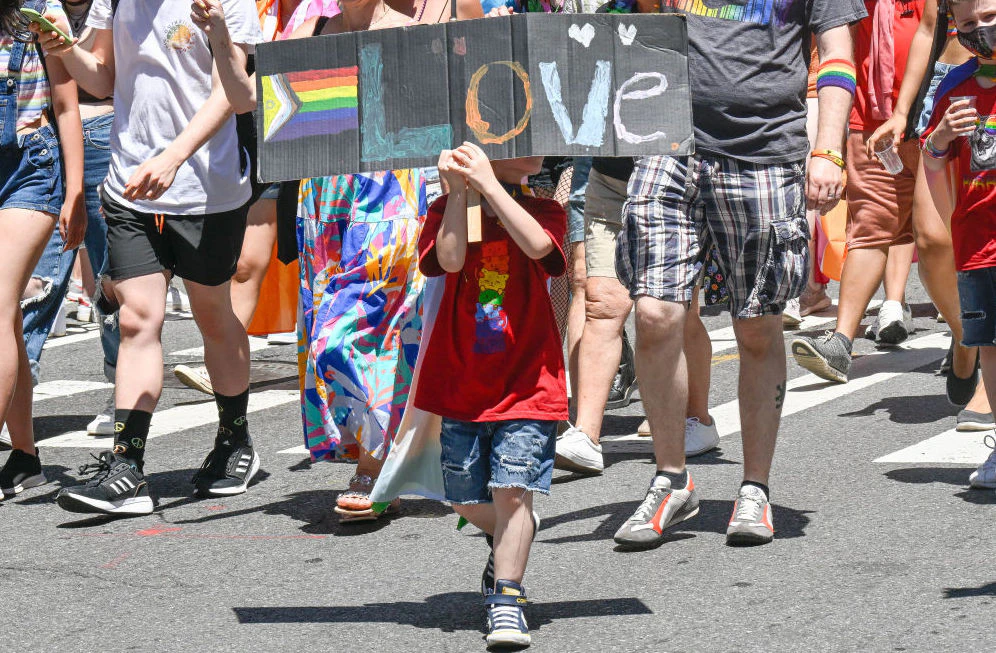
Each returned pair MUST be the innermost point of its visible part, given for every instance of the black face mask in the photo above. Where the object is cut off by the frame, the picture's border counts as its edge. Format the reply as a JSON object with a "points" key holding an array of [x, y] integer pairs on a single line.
{"points": [[979, 41]]}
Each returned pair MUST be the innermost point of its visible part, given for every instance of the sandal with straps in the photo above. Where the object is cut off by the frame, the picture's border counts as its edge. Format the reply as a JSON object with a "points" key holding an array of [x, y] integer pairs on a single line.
{"points": [[355, 504]]}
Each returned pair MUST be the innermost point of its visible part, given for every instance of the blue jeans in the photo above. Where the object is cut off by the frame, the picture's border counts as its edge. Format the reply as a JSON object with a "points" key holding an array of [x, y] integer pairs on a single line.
{"points": [[55, 266], [480, 456], [977, 293], [575, 207]]}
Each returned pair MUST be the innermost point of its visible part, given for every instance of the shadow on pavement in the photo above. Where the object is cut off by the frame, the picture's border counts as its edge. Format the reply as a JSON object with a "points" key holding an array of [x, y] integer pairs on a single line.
{"points": [[713, 517], [445, 612], [968, 592], [919, 475], [922, 409], [315, 508]]}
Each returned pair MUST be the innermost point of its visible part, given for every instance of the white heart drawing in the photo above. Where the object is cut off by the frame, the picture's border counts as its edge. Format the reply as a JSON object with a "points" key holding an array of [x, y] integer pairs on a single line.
{"points": [[627, 34], [582, 35]]}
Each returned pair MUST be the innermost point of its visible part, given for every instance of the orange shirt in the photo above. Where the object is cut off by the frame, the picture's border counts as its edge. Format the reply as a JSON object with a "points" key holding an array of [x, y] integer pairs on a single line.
{"points": [[814, 67]]}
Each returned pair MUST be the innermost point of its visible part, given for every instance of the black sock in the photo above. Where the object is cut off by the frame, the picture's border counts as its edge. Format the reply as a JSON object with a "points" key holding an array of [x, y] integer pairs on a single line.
{"points": [[232, 416], [131, 429], [678, 481], [761, 486], [490, 539]]}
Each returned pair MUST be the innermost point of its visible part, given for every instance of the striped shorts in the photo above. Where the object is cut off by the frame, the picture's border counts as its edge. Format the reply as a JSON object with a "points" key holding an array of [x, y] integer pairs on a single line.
{"points": [[754, 215]]}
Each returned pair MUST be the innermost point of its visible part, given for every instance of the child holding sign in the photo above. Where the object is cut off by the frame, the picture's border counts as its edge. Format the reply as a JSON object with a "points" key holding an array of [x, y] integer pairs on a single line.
{"points": [[494, 369]]}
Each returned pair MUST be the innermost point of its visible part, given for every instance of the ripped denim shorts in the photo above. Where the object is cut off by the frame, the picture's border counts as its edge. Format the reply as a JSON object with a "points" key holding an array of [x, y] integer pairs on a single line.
{"points": [[480, 456]]}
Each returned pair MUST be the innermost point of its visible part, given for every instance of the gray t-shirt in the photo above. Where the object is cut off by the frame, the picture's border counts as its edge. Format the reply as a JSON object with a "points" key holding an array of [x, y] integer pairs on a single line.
{"points": [[748, 72]]}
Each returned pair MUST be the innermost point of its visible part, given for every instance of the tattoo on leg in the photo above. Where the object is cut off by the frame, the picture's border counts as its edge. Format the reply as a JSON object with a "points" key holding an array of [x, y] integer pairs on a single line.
{"points": [[780, 397]]}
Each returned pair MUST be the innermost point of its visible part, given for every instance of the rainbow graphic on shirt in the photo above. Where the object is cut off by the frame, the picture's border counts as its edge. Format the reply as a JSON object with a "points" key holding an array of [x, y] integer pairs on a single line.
{"points": [[309, 103], [744, 11], [491, 318]]}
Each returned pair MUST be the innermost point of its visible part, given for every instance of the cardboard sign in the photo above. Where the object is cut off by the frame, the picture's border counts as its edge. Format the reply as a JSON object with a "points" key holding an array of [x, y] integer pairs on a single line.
{"points": [[523, 85]]}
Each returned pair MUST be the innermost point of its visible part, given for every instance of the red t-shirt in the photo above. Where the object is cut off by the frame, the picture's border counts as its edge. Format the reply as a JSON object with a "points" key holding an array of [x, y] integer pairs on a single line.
{"points": [[973, 222], [495, 353], [907, 19]]}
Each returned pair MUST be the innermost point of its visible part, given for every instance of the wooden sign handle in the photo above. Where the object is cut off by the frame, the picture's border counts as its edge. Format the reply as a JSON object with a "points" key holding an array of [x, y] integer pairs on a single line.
{"points": [[473, 216]]}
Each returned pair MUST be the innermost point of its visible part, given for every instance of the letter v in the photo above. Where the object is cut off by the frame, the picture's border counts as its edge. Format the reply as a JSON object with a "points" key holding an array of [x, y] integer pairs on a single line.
{"points": [[592, 129]]}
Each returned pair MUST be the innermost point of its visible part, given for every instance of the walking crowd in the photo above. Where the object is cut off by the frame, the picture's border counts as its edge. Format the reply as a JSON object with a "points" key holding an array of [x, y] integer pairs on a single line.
{"points": [[119, 136]]}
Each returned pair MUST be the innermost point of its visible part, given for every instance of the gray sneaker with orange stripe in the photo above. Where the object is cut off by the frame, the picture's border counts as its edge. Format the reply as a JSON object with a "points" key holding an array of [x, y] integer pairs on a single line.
{"points": [[750, 523], [661, 509]]}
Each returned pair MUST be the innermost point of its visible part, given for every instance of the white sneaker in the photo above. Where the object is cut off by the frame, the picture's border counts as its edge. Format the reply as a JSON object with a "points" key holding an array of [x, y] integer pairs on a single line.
{"points": [[985, 475], [791, 318], [194, 377], [895, 323], [4, 436], [60, 325], [176, 300], [700, 438], [103, 423], [577, 453], [288, 338]]}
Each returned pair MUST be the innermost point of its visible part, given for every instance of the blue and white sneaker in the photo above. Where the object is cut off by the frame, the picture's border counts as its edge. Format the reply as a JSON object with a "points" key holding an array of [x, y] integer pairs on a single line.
{"points": [[506, 620]]}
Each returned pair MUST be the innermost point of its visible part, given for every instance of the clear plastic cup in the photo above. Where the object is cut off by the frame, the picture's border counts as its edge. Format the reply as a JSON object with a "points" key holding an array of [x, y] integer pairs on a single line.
{"points": [[888, 157], [971, 103]]}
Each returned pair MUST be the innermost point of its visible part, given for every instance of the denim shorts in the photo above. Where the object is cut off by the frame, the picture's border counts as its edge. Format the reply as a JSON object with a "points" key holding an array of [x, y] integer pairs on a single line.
{"points": [[940, 70], [480, 456], [576, 203], [31, 176], [977, 292]]}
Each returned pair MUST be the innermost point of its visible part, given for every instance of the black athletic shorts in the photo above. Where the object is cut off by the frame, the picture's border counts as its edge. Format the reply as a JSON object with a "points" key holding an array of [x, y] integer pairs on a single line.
{"points": [[204, 249]]}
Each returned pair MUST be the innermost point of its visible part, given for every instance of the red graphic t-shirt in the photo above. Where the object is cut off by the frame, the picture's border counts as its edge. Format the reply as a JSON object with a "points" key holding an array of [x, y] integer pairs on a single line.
{"points": [[495, 353], [973, 221]]}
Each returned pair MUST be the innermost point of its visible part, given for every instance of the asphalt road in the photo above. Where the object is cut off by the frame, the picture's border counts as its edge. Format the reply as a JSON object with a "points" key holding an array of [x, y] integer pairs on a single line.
{"points": [[880, 544]]}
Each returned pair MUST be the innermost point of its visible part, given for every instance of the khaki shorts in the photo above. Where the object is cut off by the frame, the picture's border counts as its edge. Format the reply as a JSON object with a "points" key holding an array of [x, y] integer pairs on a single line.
{"points": [[879, 205], [602, 223]]}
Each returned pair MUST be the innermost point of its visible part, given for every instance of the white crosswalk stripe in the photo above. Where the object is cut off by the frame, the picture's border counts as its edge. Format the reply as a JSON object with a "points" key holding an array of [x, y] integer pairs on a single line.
{"points": [[951, 447], [809, 391], [178, 419], [255, 344], [724, 339], [65, 388]]}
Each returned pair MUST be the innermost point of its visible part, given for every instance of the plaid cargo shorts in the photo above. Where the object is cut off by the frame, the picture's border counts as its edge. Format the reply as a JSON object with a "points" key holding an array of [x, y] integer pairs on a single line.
{"points": [[754, 215]]}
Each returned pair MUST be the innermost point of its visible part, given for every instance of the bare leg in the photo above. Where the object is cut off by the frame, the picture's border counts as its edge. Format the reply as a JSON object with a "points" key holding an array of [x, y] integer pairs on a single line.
{"points": [[23, 236], [607, 304], [254, 260], [980, 401], [226, 345], [762, 391], [988, 356], [897, 271], [576, 313], [698, 354], [660, 365], [863, 270], [937, 272], [140, 356], [513, 532], [481, 515]]}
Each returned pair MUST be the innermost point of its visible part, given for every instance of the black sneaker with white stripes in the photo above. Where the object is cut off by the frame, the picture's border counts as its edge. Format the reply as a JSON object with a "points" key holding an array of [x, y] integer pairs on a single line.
{"points": [[117, 487], [228, 469]]}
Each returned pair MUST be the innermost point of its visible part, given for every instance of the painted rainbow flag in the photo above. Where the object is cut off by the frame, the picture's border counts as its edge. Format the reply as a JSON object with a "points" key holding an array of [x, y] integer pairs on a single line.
{"points": [[750, 11], [309, 103]]}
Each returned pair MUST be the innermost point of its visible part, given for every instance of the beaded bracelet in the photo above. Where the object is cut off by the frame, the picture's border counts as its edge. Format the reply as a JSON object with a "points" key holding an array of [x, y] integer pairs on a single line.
{"points": [[837, 72], [830, 155], [931, 150]]}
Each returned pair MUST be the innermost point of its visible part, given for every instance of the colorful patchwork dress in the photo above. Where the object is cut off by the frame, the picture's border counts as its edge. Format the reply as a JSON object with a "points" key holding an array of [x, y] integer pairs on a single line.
{"points": [[361, 308]]}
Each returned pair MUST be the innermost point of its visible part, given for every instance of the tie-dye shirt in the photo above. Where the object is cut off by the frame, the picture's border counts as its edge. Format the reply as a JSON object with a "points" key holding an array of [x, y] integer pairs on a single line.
{"points": [[33, 92]]}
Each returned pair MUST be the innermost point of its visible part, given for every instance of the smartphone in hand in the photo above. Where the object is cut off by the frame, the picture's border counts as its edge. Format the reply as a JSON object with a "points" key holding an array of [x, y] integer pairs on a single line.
{"points": [[46, 25]]}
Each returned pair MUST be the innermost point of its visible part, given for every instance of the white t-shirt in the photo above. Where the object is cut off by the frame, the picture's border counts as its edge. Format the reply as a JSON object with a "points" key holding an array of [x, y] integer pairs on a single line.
{"points": [[162, 77]]}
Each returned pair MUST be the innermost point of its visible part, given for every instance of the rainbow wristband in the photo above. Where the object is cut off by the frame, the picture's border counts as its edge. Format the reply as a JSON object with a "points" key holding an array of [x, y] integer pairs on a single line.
{"points": [[931, 150], [838, 73]]}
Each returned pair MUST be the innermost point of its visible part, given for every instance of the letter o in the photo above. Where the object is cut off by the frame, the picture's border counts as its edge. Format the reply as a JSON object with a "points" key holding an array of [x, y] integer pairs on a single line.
{"points": [[477, 124]]}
